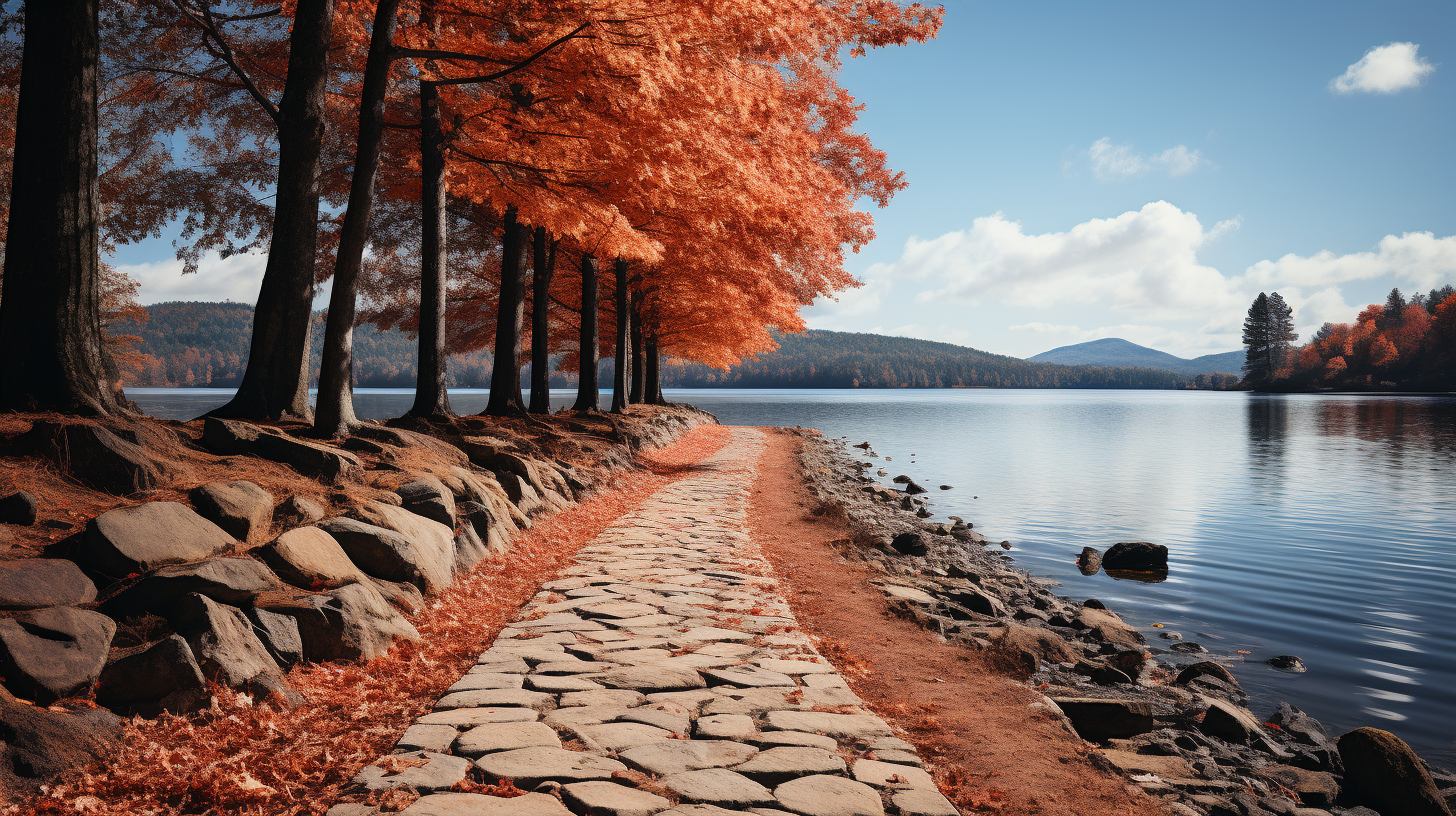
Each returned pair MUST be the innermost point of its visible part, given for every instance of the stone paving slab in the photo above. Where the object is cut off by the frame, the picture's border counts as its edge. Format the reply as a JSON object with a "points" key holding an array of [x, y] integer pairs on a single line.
{"points": [[663, 675]]}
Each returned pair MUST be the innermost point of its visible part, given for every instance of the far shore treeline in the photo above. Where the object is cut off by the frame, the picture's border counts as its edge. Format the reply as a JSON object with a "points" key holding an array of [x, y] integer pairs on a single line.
{"points": [[206, 345]]}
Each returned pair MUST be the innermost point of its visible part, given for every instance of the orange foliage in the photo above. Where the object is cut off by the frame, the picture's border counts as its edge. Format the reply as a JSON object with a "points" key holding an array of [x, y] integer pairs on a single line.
{"points": [[1405, 344]]}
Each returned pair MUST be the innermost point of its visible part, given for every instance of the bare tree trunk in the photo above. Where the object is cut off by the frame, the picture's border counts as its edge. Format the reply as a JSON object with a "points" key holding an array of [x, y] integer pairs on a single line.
{"points": [[621, 366], [432, 400], [334, 415], [544, 263], [51, 356], [638, 369], [653, 381], [505, 375], [275, 383], [588, 392]]}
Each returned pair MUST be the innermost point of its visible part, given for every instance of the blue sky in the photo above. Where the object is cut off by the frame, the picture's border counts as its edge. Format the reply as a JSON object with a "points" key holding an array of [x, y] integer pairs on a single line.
{"points": [[1196, 114], [1090, 169]]}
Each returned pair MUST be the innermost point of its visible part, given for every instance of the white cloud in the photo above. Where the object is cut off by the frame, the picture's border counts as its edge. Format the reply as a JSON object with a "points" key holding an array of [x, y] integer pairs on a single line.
{"points": [[1419, 258], [1144, 260], [1111, 162], [1384, 69], [236, 278]]}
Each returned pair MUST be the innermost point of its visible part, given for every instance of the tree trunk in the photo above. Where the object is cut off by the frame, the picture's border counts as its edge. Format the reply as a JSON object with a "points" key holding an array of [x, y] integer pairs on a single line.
{"points": [[638, 369], [275, 383], [505, 375], [432, 400], [588, 393], [544, 262], [51, 356], [653, 380], [334, 415], [621, 366]]}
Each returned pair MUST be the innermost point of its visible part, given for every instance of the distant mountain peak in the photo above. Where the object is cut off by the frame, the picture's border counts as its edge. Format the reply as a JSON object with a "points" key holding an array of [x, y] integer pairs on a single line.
{"points": [[1115, 351]]}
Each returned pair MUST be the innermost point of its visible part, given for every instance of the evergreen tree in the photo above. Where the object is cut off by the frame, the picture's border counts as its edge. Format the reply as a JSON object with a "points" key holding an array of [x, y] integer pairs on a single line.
{"points": [[1394, 309], [1268, 333]]}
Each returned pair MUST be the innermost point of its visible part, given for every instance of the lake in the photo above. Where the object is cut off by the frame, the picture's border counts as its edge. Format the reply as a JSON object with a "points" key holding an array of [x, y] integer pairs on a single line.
{"points": [[1314, 525]]}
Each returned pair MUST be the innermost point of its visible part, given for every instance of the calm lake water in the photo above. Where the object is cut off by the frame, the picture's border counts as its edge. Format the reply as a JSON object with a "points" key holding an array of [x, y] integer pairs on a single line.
{"points": [[1318, 526]]}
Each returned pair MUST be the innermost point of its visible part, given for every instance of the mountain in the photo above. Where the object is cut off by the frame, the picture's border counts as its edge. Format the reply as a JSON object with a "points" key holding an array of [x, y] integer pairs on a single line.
{"points": [[1114, 351], [206, 344]]}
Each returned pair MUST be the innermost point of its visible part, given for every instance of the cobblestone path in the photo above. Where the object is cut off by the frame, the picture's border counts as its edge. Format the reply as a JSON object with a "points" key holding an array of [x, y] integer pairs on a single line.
{"points": [[664, 665]]}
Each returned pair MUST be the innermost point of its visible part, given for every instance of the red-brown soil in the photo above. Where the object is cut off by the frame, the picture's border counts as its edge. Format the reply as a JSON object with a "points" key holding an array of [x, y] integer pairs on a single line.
{"points": [[986, 748]]}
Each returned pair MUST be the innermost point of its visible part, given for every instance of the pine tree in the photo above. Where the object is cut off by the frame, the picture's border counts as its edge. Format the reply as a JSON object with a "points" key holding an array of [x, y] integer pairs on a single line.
{"points": [[1268, 333]]}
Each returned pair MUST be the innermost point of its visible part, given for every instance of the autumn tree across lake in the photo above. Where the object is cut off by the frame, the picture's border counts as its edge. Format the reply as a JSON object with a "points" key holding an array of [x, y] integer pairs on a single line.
{"points": [[568, 180]]}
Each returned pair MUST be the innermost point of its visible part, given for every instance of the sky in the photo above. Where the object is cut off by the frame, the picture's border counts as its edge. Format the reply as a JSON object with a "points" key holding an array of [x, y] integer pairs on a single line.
{"points": [[1080, 170]]}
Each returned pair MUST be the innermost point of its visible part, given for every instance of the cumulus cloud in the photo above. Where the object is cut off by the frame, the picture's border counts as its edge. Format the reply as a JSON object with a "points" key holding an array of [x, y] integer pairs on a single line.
{"points": [[1384, 69], [1111, 162], [1144, 260], [1418, 258], [237, 278]]}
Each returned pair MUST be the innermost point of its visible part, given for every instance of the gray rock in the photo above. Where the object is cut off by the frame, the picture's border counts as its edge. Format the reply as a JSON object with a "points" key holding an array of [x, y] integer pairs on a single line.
{"points": [[1288, 663], [1135, 556], [30, 583], [241, 508], [234, 581], [611, 799], [910, 543], [279, 635], [1205, 668], [822, 795], [923, 802], [1106, 627], [53, 653], [97, 457], [436, 738], [484, 698], [313, 459], [667, 757], [648, 679], [381, 552], [1382, 771], [620, 736], [438, 772], [529, 767], [310, 558], [150, 679], [849, 726], [749, 676], [432, 545], [298, 510], [1314, 787], [494, 737], [487, 680], [471, 717], [775, 739], [1097, 719], [1231, 723], [407, 598], [226, 648], [1089, 561], [40, 743], [981, 603], [725, 726], [475, 804], [890, 775], [469, 549], [778, 765], [152, 535], [718, 786], [428, 497], [20, 508]]}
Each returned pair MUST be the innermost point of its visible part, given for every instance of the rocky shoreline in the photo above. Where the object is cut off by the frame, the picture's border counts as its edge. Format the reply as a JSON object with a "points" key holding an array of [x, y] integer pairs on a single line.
{"points": [[145, 563], [1173, 724]]}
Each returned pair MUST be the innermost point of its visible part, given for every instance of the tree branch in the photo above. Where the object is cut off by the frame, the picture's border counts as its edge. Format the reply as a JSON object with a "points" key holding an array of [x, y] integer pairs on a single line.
{"points": [[514, 68]]}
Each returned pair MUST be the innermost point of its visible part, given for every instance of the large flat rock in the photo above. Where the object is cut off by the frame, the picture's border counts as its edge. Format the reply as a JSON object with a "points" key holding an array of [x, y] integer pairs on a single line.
{"points": [[823, 795], [140, 539], [842, 726], [495, 737], [718, 786], [31, 583], [53, 653], [529, 767], [475, 804], [611, 799]]}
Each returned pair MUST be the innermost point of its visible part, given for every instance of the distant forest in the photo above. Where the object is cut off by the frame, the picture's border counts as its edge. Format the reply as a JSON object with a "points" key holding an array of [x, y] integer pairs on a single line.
{"points": [[206, 344]]}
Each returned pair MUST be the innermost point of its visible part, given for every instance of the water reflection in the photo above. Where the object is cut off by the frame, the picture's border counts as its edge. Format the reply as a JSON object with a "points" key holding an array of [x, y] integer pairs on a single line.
{"points": [[1267, 427]]}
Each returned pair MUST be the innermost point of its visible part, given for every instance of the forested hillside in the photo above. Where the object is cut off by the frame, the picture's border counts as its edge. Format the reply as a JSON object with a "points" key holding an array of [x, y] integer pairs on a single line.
{"points": [[1114, 351], [206, 344]]}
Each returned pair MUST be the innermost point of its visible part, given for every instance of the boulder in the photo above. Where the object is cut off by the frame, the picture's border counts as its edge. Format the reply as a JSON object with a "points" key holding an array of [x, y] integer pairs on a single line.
{"points": [[407, 598], [1027, 646], [980, 602], [1301, 727], [30, 583], [1382, 772], [241, 508], [97, 457], [1136, 556], [1089, 561], [378, 551], [40, 743], [230, 437], [911, 488], [279, 635], [53, 653], [469, 549], [1315, 788], [20, 508], [353, 622], [226, 648], [1106, 627], [428, 497], [522, 494], [1205, 668], [310, 558], [139, 539], [298, 510], [1097, 720], [909, 543], [150, 679], [1234, 724], [401, 438], [235, 581], [432, 544]]}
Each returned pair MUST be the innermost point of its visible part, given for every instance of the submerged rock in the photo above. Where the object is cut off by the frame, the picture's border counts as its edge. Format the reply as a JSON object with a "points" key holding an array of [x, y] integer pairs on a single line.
{"points": [[1089, 561], [1136, 556], [1288, 663]]}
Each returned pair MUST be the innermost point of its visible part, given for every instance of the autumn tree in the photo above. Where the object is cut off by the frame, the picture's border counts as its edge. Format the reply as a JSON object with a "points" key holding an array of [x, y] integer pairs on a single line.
{"points": [[50, 305]]}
